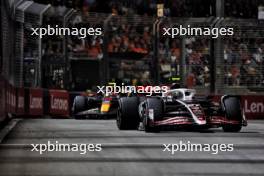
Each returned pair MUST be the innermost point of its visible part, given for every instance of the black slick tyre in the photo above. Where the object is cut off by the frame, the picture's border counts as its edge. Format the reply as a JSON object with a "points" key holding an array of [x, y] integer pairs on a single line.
{"points": [[233, 111], [127, 114], [155, 105]]}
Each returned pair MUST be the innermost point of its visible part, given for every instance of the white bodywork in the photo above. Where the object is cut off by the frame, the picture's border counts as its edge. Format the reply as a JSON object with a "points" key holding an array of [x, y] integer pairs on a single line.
{"points": [[181, 94]]}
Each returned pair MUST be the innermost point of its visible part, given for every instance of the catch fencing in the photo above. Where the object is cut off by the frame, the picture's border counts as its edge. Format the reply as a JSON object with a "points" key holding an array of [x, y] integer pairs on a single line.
{"points": [[38, 74]]}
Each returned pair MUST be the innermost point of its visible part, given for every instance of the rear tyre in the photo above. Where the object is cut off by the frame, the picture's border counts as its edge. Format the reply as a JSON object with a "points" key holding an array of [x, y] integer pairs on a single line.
{"points": [[156, 105], [233, 111], [79, 106], [127, 114]]}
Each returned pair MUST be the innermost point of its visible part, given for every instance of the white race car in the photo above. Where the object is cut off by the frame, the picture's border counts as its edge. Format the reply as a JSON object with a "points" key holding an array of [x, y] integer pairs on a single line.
{"points": [[180, 108]]}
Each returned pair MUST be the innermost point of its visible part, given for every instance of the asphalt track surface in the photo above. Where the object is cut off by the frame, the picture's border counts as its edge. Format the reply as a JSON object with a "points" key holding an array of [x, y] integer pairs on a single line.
{"points": [[127, 153]]}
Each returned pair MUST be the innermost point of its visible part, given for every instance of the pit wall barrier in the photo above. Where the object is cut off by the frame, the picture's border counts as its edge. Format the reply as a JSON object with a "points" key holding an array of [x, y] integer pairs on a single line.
{"points": [[59, 102], [253, 106], [20, 108], [3, 103], [10, 98], [33, 102]]}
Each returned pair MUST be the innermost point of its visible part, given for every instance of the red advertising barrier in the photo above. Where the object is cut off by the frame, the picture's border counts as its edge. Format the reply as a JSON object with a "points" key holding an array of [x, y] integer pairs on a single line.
{"points": [[39, 102], [10, 99], [35, 102], [253, 106], [20, 109], [59, 102], [2, 99]]}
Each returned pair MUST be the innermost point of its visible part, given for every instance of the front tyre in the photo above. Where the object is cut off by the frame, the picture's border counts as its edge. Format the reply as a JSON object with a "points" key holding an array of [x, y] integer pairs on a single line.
{"points": [[149, 128], [79, 105], [127, 114], [155, 106]]}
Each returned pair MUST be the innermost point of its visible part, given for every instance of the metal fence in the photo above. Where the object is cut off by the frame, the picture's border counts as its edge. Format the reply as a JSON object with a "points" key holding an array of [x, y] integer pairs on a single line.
{"points": [[187, 59], [132, 49], [28, 48], [129, 48], [240, 58], [6, 41], [54, 50]]}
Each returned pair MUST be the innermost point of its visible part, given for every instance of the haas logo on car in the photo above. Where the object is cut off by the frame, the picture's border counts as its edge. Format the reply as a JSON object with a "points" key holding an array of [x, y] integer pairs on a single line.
{"points": [[35, 102], [59, 103], [254, 107]]}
